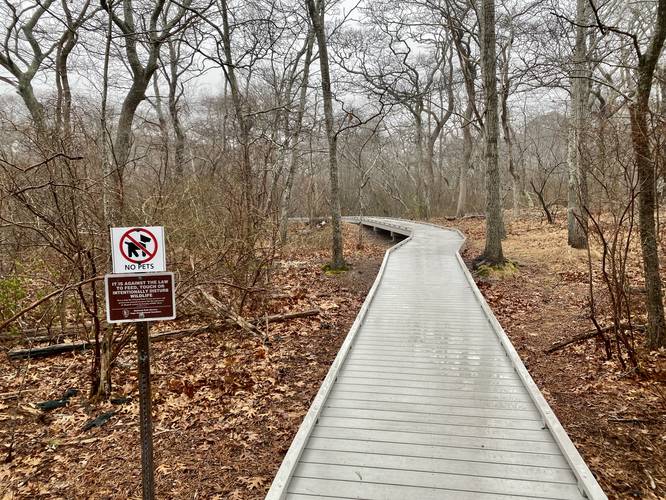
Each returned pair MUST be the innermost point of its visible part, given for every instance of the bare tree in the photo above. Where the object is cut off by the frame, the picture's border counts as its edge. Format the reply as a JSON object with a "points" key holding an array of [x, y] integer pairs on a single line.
{"points": [[296, 132], [639, 110], [145, 28], [580, 81], [33, 33], [494, 224], [316, 11]]}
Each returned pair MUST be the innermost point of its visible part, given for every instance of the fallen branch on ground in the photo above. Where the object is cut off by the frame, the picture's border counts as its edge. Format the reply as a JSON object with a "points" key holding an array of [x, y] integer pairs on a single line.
{"points": [[284, 317], [53, 350], [587, 335], [15, 394], [230, 316]]}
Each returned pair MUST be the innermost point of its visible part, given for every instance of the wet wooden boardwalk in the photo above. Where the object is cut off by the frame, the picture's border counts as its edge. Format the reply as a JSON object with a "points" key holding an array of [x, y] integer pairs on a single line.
{"points": [[427, 398]]}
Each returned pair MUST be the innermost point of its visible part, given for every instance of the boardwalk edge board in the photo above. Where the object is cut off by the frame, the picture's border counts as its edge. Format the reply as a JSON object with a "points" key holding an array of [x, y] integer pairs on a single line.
{"points": [[586, 482]]}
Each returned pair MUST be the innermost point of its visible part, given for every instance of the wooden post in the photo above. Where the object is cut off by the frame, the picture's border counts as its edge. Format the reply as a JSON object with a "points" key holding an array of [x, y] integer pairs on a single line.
{"points": [[145, 410]]}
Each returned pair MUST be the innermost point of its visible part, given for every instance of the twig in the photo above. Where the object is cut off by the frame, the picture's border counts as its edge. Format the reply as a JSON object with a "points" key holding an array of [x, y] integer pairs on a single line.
{"points": [[284, 317]]}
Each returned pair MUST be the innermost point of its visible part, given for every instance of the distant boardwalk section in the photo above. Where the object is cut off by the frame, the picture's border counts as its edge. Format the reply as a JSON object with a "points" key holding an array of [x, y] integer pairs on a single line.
{"points": [[427, 398]]}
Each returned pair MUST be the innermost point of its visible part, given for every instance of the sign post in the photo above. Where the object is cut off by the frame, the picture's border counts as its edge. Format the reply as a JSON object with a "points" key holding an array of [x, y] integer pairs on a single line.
{"points": [[145, 410], [141, 291]]}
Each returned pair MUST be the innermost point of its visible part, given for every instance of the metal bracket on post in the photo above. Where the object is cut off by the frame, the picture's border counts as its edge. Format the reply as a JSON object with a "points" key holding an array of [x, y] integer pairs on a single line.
{"points": [[145, 410]]}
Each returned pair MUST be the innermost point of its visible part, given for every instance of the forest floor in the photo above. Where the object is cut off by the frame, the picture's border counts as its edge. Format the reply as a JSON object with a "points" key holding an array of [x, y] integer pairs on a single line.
{"points": [[226, 404], [615, 417]]}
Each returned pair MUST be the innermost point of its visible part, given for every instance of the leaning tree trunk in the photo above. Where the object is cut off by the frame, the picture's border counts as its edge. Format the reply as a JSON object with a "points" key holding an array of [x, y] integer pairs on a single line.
{"points": [[494, 223], [123, 143], [295, 151], [35, 108], [316, 12], [577, 188], [639, 110]]}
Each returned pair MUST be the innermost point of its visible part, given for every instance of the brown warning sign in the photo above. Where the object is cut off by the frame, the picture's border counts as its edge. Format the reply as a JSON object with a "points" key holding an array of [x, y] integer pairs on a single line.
{"points": [[140, 297]]}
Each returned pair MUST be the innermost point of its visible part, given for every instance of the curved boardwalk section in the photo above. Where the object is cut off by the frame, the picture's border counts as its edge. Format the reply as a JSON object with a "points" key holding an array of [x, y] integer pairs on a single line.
{"points": [[427, 398]]}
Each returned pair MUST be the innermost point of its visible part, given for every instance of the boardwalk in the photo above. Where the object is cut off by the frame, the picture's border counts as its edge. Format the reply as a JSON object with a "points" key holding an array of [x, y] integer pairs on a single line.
{"points": [[427, 398]]}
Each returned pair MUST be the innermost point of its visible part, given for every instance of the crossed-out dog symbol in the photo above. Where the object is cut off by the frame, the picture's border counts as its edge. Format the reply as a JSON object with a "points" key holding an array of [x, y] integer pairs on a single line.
{"points": [[133, 249]]}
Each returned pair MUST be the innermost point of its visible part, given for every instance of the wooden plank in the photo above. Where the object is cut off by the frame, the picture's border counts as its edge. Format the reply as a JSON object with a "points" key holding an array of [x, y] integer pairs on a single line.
{"points": [[433, 369], [437, 440], [440, 452], [429, 352], [537, 436], [435, 409], [414, 358], [436, 364], [476, 484], [458, 385], [439, 465], [431, 418], [448, 394], [368, 491], [425, 343], [466, 375]]}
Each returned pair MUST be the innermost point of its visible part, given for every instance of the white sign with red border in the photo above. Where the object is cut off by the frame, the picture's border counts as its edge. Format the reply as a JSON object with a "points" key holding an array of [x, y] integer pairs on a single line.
{"points": [[138, 249]]}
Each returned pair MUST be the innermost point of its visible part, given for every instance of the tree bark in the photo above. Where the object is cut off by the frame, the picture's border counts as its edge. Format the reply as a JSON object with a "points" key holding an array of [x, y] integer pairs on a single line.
{"points": [[161, 120], [466, 164], [656, 325], [291, 174], [35, 108], [494, 223], [244, 125], [516, 181], [180, 138], [316, 12], [123, 143], [577, 187]]}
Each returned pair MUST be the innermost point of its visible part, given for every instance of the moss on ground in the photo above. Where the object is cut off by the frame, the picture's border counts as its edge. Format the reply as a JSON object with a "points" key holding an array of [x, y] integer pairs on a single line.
{"points": [[334, 271], [503, 271]]}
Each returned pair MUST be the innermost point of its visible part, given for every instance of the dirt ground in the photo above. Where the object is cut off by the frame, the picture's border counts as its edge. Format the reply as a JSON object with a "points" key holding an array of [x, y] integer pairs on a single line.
{"points": [[616, 418], [226, 404]]}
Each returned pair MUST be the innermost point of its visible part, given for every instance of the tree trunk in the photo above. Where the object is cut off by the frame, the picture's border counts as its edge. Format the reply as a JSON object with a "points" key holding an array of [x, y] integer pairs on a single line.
{"points": [[516, 183], [422, 194], [35, 108], [123, 143], [284, 216], [162, 121], [577, 188], [494, 223], [639, 110], [64, 108], [102, 389], [466, 161], [174, 113], [244, 125], [107, 182], [316, 12]]}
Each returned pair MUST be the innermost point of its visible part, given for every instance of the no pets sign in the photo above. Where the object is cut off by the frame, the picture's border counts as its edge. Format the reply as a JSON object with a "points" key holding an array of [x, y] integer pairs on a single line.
{"points": [[138, 249]]}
